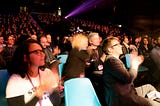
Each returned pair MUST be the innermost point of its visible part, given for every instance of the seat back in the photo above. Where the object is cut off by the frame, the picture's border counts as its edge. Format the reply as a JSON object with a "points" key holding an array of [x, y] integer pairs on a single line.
{"points": [[4, 76], [128, 64], [63, 58], [60, 66], [127, 56], [80, 92]]}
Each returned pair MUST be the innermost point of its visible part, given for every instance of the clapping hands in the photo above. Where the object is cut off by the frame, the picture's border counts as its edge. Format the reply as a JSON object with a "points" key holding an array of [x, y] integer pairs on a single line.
{"points": [[136, 60]]}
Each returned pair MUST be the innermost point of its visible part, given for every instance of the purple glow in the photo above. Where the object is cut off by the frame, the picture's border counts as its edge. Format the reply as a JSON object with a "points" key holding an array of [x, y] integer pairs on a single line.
{"points": [[84, 7]]}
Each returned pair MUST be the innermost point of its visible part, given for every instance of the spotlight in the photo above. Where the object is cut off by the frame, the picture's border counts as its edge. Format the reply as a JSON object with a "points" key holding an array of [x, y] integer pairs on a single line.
{"points": [[65, 17], [86, 6]]}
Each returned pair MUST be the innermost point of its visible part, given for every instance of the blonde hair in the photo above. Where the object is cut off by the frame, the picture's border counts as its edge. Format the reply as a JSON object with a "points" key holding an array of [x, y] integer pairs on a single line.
{"points": [[77, 40]]}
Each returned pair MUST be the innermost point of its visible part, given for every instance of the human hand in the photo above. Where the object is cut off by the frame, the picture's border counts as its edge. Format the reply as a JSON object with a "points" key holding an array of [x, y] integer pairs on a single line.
{"points": [[136, 61], [49, 81], [82, 75], [133, 49]]}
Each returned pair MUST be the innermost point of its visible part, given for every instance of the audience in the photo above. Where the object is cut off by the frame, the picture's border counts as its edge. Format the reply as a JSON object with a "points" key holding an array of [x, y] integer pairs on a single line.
{"points": [[95, 69], [29, 85], [50, 58], [119, 82], [9, 49], [2, 44], [50, 44], [85, 59], [127, 48], [96, 52], [78, 58], [145, 50]]}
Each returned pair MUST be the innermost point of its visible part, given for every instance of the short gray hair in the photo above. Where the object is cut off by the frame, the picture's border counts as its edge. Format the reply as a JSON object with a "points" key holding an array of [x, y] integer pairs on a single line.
{"points": [[92, 34]]}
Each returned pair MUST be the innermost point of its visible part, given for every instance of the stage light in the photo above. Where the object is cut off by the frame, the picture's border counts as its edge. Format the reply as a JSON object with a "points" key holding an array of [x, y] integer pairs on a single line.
{"points": [[65, 17], [86, 6]]}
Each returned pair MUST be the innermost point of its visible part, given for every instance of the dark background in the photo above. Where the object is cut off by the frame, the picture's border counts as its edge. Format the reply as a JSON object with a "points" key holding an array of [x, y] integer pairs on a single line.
{"points": [[137, 15]]}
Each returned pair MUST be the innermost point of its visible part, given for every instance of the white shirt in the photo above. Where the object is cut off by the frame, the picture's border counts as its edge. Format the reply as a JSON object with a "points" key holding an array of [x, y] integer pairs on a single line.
{"points": [[17, 86]]}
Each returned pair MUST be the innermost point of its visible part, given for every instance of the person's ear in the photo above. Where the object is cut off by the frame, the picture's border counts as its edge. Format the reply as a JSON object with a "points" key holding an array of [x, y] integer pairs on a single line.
{"points": [[109, 50], [89, 42]]}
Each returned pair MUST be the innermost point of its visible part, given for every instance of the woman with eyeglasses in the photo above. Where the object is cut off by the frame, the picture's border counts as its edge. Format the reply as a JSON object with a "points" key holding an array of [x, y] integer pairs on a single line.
{"points": [[29, 84], [119, 87]]}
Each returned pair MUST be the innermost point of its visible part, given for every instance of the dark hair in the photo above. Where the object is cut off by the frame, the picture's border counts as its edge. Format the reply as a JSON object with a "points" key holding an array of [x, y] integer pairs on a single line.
{"points": [[39, 37], [21, 39], [18, 65]]}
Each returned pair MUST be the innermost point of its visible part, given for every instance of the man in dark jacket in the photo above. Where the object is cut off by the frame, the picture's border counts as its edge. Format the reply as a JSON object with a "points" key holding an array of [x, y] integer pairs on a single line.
{"points": [[119, 89]]}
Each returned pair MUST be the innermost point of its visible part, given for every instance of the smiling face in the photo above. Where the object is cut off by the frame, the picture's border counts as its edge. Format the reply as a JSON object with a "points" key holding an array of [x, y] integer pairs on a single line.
{"points": [[43, 41]]}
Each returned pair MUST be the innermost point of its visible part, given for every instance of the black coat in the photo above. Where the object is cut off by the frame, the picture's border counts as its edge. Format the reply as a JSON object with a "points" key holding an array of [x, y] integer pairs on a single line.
{"points": [[76, 63], [118, 85]]}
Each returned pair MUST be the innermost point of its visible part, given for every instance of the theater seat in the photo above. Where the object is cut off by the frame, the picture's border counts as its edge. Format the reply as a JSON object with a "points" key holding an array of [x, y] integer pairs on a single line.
{"points": [[62, 58], [80, 92], [4, 76]]}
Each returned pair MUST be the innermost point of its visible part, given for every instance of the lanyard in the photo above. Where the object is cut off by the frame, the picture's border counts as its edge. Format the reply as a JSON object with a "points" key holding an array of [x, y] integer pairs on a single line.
{"points": [[40, 101]]}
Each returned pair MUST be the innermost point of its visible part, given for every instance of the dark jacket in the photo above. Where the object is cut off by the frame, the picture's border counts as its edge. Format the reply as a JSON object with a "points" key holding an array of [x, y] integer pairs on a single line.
{"points": [[49, 57], [118, 85], [76, 63], [95, 62]]}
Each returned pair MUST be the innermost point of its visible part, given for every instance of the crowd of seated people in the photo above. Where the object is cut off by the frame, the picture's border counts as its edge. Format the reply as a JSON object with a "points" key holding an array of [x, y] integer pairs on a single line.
{"points": [[24, 26]]}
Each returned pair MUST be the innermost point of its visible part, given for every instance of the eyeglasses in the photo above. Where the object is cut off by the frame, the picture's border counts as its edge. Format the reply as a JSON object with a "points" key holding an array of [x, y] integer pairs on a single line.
{"points": [[37, 52], [115, 45]]}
